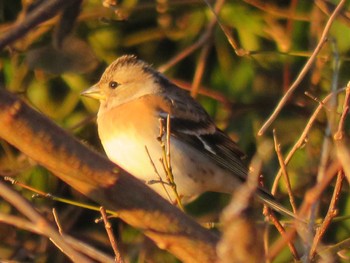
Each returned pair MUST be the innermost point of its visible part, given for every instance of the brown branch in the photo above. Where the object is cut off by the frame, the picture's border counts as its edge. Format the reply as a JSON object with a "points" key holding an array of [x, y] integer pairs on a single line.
{"points": [[305, 69], [272, 217], [198, 75], [100, 180], [225, 29], [76, 244], [340, 141], [112, 239], [274, 10], [303, 137], [45, 227], [284, 172], [200, 42], [58, 224], [311, 197], [331, 213]]}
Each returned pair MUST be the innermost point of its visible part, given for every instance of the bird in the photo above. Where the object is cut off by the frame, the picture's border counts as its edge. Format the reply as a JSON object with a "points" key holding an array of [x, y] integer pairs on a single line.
{"points": [[144, 120]]}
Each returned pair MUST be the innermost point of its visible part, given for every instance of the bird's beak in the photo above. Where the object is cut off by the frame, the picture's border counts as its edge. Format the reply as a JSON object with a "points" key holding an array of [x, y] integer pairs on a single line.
{"points": [[94, 92]]}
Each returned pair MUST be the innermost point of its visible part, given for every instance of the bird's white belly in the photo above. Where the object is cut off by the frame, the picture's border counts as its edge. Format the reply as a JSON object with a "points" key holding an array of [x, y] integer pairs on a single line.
{"points": [[130, 153], [193, 172]]}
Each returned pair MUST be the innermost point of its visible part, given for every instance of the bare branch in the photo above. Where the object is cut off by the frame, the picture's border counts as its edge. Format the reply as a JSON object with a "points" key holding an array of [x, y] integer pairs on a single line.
{"points": [[40, 222], [111, 237], [306, 68], [74, 243]]}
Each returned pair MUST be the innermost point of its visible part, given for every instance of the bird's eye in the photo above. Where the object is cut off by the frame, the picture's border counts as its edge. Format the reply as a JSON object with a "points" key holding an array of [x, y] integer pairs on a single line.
{"points": [[113, 84]]}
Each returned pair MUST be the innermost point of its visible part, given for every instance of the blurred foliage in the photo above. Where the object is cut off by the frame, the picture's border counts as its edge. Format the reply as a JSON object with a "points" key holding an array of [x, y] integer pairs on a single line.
{"points": [[282, 34]]}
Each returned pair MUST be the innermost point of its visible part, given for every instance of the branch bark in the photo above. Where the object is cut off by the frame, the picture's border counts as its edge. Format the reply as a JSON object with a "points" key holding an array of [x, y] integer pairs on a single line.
{"points": [[99, 179]]}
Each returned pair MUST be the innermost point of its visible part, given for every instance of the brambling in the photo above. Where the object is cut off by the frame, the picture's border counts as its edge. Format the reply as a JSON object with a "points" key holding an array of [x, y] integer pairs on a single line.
{"points": [[136, 102]]}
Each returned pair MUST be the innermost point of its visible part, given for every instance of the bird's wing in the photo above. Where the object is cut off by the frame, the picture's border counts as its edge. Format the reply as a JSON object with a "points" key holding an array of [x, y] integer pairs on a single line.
{"points": [[211, 142], [191, 124]]}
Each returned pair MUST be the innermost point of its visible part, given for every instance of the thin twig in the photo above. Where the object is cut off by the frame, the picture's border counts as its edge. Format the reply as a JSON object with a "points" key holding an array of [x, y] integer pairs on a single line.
{"points": [[303, 137], [166, 160], [41, 223], [327, 6], [183, 54], [200, 69], [157, 173], [304, 71], [39, 193], [238, 50], [343, 155], [316, 99], [205, 91], [168, 141], [315, 192], [57, 221], [340, 132], [274, 10], [200, 42], [311, 196], [331, 213], [272, 217], [78, 245], [284, 172], [111, 237]]}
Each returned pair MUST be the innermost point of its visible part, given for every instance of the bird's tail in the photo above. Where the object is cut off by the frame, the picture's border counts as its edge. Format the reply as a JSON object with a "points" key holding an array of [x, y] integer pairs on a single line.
{"points": [[271, 202]]}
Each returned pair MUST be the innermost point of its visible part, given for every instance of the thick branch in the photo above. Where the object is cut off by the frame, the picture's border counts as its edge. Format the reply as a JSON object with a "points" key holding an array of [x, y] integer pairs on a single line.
{"points": [[97, 178]]}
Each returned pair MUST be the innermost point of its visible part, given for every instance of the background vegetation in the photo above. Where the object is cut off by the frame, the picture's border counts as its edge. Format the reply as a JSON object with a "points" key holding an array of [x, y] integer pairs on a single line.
{"points": [[239, 69]]}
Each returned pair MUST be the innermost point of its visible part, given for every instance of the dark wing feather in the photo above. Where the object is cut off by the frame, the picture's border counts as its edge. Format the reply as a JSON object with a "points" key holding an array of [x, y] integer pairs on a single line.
{"points": [[190, 123], [211, 142]]}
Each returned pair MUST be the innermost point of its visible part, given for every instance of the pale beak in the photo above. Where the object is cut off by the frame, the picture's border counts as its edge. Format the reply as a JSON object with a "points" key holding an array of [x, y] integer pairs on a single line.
{"points": [[94, 92]]}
